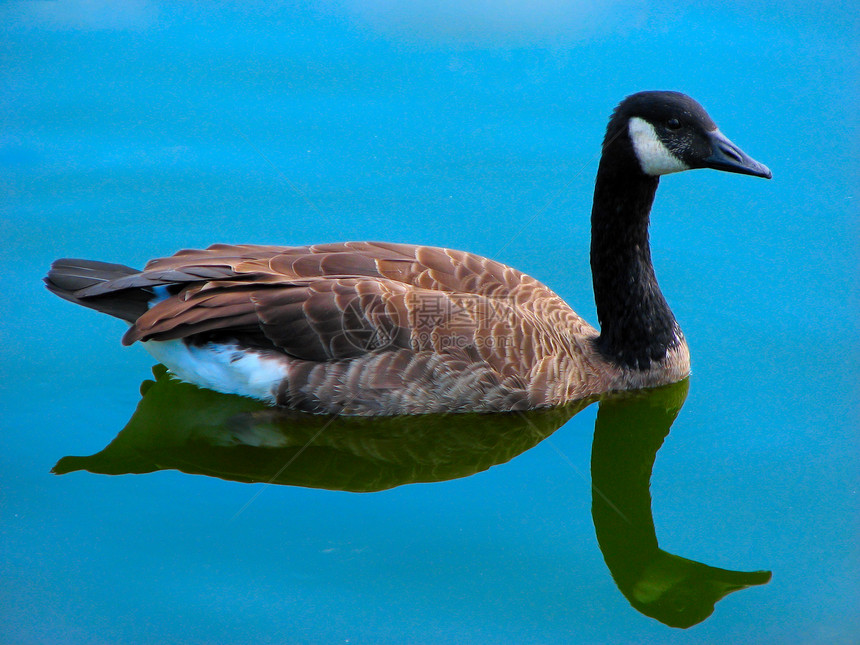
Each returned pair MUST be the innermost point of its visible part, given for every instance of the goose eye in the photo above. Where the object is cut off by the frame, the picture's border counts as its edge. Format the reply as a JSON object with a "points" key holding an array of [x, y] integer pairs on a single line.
{"points": [[673, 124]]}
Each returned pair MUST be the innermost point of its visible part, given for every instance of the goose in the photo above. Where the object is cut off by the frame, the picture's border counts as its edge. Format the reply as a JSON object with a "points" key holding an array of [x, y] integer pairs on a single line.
{"points": [[375, 328]]}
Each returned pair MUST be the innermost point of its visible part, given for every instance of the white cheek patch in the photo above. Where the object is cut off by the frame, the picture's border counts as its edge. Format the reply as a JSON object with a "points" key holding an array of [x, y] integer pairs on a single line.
{"points": [[653, 156]]}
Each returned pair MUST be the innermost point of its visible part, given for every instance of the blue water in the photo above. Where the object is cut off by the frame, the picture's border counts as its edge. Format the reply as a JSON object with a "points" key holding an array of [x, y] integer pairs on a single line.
{"points": [[131, 130]]}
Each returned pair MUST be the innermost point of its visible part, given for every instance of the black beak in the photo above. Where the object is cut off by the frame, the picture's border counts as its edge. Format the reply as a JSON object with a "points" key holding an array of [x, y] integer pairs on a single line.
{"points": [[727, 156]]}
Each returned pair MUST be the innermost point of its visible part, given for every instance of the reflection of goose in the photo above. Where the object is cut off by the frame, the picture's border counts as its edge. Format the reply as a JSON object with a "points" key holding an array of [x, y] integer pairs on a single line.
{"points": [[627, 435], [179, 426], [386, 329], [182, 427]]}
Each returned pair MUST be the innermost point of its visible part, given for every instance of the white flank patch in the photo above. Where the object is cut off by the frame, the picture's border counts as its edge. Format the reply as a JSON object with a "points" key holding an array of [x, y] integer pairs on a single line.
{"points": [[213, 367], [653, 156]]}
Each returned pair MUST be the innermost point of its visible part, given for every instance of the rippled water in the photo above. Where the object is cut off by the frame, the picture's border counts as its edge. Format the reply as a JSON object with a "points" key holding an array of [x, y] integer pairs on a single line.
{"points": [[130, 134]]}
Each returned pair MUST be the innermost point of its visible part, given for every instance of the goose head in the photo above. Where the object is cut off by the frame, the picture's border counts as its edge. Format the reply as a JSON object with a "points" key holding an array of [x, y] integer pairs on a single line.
{"points": [[666, 132]]}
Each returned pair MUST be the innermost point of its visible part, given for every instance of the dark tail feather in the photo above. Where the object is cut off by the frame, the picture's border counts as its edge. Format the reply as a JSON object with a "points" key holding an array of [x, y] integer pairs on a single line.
{"points": [[68, 277]]}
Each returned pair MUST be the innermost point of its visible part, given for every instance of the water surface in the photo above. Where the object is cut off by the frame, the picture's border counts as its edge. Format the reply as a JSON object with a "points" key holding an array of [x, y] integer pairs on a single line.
{"points": [[130, 134]]}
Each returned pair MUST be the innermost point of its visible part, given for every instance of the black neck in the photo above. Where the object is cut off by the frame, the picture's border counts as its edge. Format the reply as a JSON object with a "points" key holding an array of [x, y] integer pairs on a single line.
{"points": [[636, 324]]}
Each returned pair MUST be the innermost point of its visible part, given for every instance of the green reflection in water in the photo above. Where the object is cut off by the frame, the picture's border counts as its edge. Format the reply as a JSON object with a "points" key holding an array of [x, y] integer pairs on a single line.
{"points": [[182, 427], [628, 432]]}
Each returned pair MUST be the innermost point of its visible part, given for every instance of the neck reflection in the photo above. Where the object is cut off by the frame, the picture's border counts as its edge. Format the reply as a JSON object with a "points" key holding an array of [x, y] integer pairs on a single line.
{"points": [[629, 430]]}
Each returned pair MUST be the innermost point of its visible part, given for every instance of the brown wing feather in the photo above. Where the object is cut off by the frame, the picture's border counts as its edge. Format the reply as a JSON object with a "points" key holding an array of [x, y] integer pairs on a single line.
{"points": [[337, 301]]}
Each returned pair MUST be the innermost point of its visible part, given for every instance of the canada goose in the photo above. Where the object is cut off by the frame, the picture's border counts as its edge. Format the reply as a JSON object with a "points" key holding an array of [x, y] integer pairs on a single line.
{"points": [[366, 328]]}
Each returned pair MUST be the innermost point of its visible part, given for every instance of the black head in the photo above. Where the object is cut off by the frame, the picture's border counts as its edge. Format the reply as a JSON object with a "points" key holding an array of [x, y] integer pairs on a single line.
{"points": [[669, 132]]}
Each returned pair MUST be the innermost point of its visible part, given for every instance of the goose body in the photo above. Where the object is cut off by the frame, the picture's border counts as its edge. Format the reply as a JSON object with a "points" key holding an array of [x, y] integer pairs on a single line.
{"points": [[366, 328]]}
